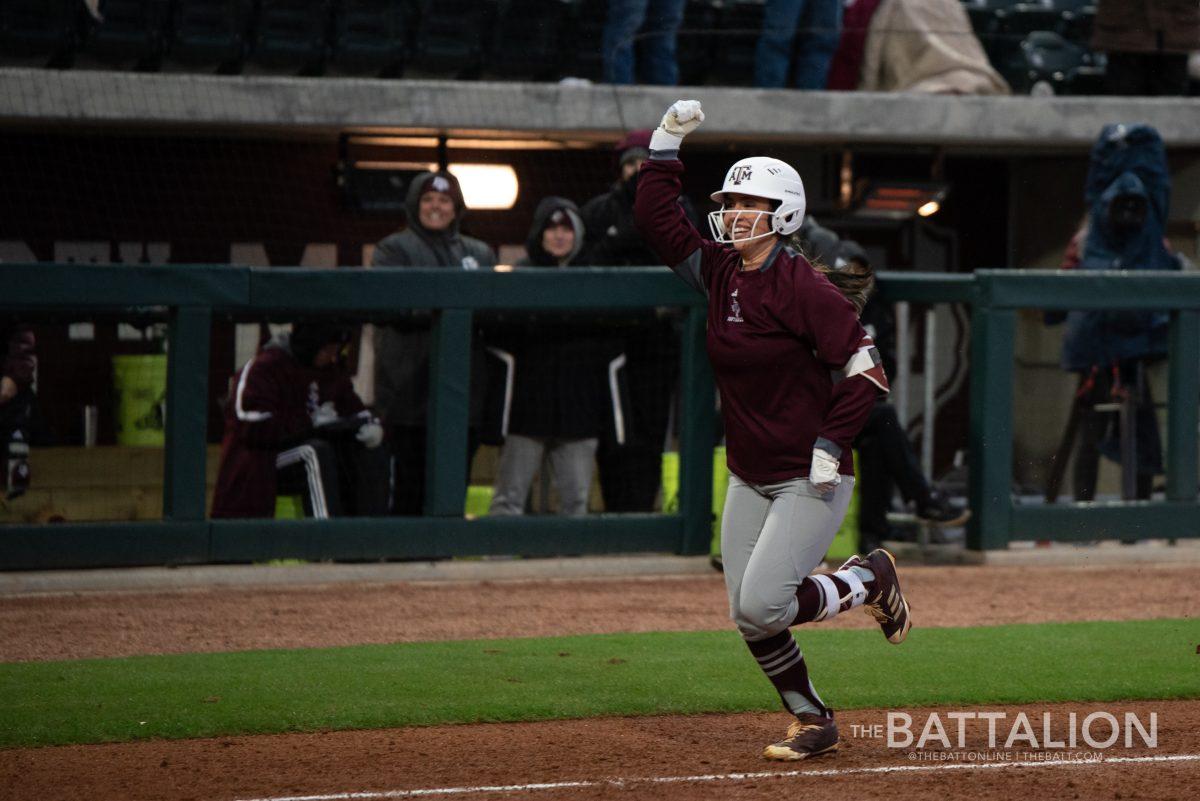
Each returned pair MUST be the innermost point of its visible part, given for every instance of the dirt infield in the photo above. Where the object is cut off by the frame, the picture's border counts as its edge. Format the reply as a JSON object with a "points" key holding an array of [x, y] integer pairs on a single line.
{"points": [[638, 758], [630, 758], [85, 625]]}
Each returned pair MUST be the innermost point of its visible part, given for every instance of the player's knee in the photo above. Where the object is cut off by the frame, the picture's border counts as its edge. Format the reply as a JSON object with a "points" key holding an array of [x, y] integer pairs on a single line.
{"points": [[757, 617]]}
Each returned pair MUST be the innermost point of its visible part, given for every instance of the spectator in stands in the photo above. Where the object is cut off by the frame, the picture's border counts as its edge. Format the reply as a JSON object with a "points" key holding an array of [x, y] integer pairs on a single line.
{"points": [[435, 209], [18, 363], [630, 473], [561, 401], [293, 424], [1147, 42], [926, 46], [809, 29], [651, 26]]}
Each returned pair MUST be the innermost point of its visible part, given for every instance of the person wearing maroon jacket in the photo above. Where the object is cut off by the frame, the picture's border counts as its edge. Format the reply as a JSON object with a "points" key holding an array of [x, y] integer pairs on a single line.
{"points": [[293, 423], [798, 377]]}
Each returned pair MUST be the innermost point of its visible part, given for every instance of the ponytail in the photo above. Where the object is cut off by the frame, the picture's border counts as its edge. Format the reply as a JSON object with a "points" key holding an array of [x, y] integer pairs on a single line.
{"points": [[855, 280]]}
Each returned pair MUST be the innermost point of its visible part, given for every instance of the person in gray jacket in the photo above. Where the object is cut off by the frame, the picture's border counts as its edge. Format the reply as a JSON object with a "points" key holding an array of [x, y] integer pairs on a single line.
{"points": [[435, 207]]}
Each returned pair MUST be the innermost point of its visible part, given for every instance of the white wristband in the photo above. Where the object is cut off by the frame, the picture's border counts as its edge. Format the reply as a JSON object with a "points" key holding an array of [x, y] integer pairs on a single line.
{"points": [[662, 140]]}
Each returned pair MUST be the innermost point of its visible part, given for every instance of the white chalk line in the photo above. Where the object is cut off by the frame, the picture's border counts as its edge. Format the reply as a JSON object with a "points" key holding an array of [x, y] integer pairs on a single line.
{"points": [[720, 777]]}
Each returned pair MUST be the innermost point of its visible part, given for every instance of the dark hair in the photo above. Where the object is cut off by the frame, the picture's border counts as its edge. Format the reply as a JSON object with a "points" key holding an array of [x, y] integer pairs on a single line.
{"points": [[855, 280]]}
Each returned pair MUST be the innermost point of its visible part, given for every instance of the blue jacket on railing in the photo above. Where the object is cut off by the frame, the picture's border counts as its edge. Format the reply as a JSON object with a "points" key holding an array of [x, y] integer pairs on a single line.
{"points": [[1127, 192]]}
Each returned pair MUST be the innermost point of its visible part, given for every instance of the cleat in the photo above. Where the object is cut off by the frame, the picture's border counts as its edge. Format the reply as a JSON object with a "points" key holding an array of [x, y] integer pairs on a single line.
{"points": [[810, 736], [887, 604]]}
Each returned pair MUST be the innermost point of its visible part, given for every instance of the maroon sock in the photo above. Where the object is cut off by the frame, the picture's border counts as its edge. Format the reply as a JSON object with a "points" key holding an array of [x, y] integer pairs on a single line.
{"points": [[783, 663]]}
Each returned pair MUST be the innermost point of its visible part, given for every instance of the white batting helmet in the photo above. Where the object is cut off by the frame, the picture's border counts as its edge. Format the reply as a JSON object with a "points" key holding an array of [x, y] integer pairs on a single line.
{"points": [[765, 177]]}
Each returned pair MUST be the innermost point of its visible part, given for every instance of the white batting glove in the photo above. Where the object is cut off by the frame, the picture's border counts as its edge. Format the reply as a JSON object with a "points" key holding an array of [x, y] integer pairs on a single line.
{"points": [[824, 471], [370, 434], [324, 414], [683, 117]]}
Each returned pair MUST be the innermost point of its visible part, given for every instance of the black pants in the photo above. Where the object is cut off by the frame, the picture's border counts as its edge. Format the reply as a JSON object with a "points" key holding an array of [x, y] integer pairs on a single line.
{"points": [[1099, 432], [1135, 74], [408, 467], [337, 478], [630, 474], [885, 462]]}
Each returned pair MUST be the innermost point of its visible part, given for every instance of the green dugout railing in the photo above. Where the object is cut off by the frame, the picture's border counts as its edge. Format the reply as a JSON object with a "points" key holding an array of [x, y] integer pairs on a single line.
{"points": [[192, 295], [994, 297]]}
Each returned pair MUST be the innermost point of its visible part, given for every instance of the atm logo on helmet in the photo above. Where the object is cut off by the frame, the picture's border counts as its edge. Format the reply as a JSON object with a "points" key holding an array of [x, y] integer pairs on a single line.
{"points": [[739, 174]]}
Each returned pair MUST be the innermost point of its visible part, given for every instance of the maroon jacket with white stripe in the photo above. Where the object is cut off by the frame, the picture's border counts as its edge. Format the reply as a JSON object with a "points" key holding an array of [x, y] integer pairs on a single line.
{"points": [[778, 337], [269, 410]]}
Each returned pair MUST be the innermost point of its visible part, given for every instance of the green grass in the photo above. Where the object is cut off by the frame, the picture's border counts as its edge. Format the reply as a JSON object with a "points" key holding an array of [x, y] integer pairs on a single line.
{"points": [[198, 695]]}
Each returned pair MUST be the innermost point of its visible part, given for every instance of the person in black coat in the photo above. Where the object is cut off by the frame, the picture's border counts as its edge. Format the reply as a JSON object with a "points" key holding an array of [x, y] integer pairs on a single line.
{"points": [[562, 391]]}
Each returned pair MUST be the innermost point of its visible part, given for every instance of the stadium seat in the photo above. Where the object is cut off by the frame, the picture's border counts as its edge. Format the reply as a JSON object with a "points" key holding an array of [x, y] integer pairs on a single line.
{"points": [[1047, 61], [210, 33], [1025, 18], [132, 33], [452, 36], [42, 31], [528, 38], [291, 35], [369, 36], [1076, 25]]}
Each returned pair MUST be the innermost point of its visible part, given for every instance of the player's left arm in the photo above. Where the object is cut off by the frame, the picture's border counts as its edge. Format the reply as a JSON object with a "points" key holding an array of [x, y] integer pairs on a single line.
{"points": [[845, 347]]}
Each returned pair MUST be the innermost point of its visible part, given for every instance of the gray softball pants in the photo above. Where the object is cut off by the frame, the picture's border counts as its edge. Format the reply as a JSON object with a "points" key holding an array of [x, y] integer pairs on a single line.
{"points": [[572, 463], [772, 537]]}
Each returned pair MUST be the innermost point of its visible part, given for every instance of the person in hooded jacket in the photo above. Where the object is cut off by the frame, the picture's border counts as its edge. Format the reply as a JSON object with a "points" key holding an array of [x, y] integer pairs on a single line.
{"points": [[1127, 193], [434, 207], [561, 400], [293, 423]]}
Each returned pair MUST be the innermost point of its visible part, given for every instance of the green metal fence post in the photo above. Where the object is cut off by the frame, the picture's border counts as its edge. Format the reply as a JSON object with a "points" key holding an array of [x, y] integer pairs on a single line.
{"points": [[1183, 390], [695, 437], [991, 426], [187, 413], [449, 410]]}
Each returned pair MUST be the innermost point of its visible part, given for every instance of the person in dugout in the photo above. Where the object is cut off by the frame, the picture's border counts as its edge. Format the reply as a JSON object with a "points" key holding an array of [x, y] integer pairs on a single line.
{"points": [[294, 425]]}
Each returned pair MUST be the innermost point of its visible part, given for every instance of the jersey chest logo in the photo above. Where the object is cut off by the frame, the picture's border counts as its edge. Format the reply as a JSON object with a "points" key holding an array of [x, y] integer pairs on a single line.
{"points": [[735, 309]]}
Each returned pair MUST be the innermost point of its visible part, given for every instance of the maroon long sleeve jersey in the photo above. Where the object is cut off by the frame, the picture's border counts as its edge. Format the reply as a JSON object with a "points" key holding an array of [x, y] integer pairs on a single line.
{"points": [[786, 346]]}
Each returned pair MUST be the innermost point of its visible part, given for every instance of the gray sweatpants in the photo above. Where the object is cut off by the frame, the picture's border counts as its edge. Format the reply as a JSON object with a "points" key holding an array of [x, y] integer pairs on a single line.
{"points": [[772, 536], [572, 463]]}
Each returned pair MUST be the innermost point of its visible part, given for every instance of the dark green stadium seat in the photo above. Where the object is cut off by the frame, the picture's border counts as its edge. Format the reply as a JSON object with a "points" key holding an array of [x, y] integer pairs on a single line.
{"points": [[1026, 18], [210, 33], [291, 35], [41, 31], [1045, 58], [133, 33], [528, 40], [1076, 25], [369, 36], [452, 37]]}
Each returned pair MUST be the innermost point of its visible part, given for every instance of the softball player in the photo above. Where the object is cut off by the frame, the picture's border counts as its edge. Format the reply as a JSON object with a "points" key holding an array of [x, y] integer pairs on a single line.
{"points": [[798, 376]]}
